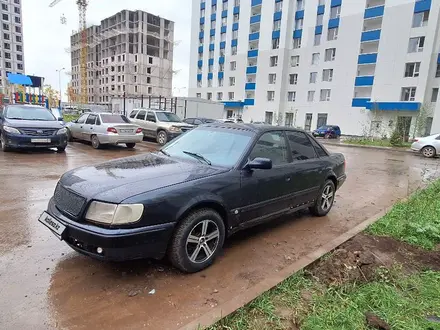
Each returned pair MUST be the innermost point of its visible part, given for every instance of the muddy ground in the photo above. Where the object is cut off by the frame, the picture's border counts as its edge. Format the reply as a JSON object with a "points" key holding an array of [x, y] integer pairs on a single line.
{"points": [[46, 285]]}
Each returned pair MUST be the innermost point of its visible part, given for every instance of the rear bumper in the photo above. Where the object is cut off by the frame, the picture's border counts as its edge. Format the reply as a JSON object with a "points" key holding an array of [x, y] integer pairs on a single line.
{"points": [[26, 141], [341, 180], [117, 244], [117, 138]]}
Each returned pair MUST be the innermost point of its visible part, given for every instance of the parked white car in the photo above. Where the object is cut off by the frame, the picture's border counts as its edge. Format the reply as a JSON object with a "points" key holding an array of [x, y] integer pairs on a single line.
{"points": [[104, 128], [429, 146]]}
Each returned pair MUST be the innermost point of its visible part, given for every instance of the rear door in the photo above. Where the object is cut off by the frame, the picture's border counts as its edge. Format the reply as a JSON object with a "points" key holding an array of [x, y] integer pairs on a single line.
{"points": [[77, 128], [140, 120], [151, 123], [89, 127], [265, 192], [307, 169]]}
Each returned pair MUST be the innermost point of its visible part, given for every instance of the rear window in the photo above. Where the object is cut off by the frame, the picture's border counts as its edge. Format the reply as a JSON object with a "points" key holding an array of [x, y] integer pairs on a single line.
{"points": [[114, 119], [319, 150]]}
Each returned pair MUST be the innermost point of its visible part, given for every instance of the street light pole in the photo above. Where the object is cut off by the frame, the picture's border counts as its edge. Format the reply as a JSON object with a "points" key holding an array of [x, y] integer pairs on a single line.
{"points": [[59, 82]]}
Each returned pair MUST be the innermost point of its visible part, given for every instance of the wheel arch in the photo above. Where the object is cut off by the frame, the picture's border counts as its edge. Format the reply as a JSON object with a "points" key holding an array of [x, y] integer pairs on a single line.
{"points": [[332, 176]]}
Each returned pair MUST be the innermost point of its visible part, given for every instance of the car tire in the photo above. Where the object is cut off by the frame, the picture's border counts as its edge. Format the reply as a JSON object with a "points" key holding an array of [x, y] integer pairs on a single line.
{"points": [[95, 142], [327, 193], [61, 149], [428, 152], [162, 137], [197, 241], [130, 145], [4, 146]]}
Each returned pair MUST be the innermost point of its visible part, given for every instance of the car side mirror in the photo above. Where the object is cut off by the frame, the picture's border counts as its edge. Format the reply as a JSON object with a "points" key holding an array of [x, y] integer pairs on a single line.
{"points": [[260, 163], [60, 119]]}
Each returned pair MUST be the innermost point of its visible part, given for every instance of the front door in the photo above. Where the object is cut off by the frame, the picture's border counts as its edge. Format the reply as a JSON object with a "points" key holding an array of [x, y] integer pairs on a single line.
{"points": [[265, 192], [76, 129], [151, 123]]}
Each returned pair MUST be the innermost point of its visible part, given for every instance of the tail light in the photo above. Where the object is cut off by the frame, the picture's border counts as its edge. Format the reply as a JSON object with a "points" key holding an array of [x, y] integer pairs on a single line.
{"points": [[416, 140], [112, 130], [139, 130]]}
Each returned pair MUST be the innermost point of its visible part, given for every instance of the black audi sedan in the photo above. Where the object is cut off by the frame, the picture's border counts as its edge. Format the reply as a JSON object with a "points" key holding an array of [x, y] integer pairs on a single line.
{"points": [[31, 126], [185, 199]]}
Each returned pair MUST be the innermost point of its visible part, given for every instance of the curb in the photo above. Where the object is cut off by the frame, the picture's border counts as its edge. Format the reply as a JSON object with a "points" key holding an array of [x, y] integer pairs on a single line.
{"points": [[367, 147], [268, 283]]}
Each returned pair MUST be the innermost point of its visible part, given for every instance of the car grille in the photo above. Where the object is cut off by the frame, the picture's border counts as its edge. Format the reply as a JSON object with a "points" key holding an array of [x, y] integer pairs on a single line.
{"points": [[67, 201], [38, 131], [185, 128]]}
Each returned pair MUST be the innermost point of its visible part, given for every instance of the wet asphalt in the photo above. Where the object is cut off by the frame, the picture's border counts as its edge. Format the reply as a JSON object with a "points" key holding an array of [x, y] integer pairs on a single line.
{"points": [[46, 285]]}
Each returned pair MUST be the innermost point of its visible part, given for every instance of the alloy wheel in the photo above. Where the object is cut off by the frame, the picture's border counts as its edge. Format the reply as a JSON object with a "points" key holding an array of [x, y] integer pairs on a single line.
{"points": [[327, 198], [428, 152], [95, 142], [202, 241]]}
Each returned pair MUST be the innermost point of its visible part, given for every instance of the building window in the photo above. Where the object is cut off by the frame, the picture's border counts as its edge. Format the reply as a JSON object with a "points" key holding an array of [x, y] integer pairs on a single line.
{"points": [[199, 83], [219, 96], [434, 95], [17, 19], [223, 37], [5, 17], [8, 65], [209, 96], [211, 54], [270, 96], [299, 4], [224, 20], [273, 61], [276, 25], [275, 43], [332, 34], [289, 119], [225, 5], [313, 76], [416, 44], [291, 96], [6, 36], [299, 24], [5, 27], [315, 58], [201, 42], [437, 72], [317, 40], [18, 29], [294, 60], [19, 57], [233, 65], [221, 67], [236, 18], [310, 96], [231, 96], [327, 75], [335, 12], [408, 94], [268, 117], [202, 27], [199, 95], [319, 19], [234, 50], [202, 12], [235, 34], [4, 6], [330, 54], [325, 95], [293, 78], [17, 10], [296, 43], [236, 3], [413, 69], [209, 82], [18, 38], [278, 6], [213, 25], [420, 19], [20, 66], [231, 81], [272, 78], [213, 9]]}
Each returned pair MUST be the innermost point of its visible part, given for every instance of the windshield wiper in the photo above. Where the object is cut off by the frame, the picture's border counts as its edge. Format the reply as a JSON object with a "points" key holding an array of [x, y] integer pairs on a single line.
{"points": [[164, 152], [13, 118], [198, 156]]}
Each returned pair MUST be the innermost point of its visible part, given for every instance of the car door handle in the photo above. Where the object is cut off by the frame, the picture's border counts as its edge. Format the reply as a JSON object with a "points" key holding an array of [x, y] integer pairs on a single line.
{"points": [[288, 179], [91, 127]]}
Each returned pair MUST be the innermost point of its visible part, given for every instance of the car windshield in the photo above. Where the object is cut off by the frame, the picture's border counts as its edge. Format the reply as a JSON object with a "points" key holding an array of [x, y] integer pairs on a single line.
{"points": [[220, 147], [168, 116], [114, 119], [324, 127], [29, 113]]}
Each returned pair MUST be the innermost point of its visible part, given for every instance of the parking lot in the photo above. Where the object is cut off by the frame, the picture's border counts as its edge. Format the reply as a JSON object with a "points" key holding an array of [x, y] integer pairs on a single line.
{"points": [[47, 285]]}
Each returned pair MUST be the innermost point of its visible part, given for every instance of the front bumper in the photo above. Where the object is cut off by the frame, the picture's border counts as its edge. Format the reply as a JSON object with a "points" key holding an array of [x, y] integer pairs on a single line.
{"points": [[17, 141], [117, 244], [117, 138]]}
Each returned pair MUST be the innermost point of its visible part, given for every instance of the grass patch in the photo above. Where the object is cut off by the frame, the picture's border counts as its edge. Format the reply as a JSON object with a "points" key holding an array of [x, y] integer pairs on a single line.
{"points": [[416, 221], [69, 118], [374, 142]]}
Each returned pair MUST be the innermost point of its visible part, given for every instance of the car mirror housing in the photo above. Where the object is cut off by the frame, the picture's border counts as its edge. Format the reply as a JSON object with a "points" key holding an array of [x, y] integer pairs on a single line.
{"points": [[259, 163]]}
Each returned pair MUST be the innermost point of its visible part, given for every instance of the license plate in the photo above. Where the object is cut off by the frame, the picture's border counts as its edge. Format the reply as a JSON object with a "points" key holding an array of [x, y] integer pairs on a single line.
{"points": [[40, 140], [126, 131], [54, 225]]}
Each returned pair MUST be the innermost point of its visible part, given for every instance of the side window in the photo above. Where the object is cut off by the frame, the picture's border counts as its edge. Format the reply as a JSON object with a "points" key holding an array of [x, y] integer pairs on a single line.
{"points": [[198, 122], [319, 150], [151, 116], [300, 146], [438, 137], [141, 115], [271, 145], [82, 119], [189, 121], [98, 120], [133, 114], [91, 120]]}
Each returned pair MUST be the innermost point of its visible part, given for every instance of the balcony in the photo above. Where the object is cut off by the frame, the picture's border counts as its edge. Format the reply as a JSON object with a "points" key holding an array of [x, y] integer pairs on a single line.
{"points": [[370, 47], [235, 26], [251, 78], [253, 44], [375, 3], [374, 12], [333, 23], [320, 10], [252, 61], [372, 24], [251, 69], [367, 58], [364, 81], [223, 45], [249, 101], [360, 102], [256, 3], [254, 28], [423, 5], [199, 63], [394, 106], [276, 34], [211, 61], [362, 92], [254, 36], [297, 34], [224, 13], [370, 36], [249, 86], [299, 14], [199, 77], [366, 70], [253, 53], [255, 19], [277, 16]]}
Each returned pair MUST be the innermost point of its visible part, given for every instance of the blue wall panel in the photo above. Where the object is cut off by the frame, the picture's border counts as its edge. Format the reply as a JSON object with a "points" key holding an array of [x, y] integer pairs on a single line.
{"points": [[200, 49], [360, 102], [224, 13], [254, 36], [297, 34], [336, 3], [256, 2], [210, 76], [249, 101], [275, 34], [277, 16], [236, 10], [249, 86], [212, 32], [255, 19], [199, 63], [390, 106], [201, 34], [364, 81], [235, 26], [213, 17], [211, 47], [367, 58], [318, 29], [251, 69], [333, 23], [299, 14], [199, 77], [221, 60], [223, 45], [321, 10], [374, 12], [202, 20], [234, 42], [421, 6], [211, 61], [223, 29], [221, 75], [253, 53], [370, 35], [233, 104], [202, 5]]}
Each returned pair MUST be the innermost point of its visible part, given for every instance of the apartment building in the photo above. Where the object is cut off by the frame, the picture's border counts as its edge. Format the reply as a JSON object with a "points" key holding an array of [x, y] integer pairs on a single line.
{"points": [[364, 65], [11, 47], [130, 52]]}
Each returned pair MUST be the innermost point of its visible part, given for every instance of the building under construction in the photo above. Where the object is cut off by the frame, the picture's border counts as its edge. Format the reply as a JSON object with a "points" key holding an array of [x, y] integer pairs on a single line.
{"points": [[131, 52]]}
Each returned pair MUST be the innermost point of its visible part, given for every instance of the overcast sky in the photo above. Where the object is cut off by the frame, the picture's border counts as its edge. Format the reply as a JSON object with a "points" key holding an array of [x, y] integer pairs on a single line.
{"points": [[46, 39]]}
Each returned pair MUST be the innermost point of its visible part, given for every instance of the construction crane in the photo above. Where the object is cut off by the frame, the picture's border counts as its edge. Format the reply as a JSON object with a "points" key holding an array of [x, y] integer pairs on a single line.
{"points": [[82, 9]]}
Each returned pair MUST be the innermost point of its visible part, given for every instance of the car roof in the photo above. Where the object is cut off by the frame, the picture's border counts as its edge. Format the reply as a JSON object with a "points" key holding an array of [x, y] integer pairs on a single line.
{"points": [[252, 127], [26, 106], [155, 110]]}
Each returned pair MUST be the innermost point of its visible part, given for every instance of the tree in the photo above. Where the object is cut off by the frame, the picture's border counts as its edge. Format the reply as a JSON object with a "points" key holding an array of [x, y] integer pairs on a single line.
{"points": [[421, 120], [52, 95]]}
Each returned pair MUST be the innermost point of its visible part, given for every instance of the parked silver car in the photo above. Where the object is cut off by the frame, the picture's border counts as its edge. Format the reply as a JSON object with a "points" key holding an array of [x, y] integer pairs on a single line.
{"points": [[429, 146], [161, 125], [104, 128]]}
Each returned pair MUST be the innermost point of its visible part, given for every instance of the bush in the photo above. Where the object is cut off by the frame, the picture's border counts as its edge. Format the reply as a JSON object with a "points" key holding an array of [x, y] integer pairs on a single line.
{"points": [[396, 138]]}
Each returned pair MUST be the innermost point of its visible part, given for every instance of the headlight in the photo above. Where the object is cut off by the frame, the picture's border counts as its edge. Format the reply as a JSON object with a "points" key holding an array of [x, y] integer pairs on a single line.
{"points": [[62, 131], [11, 130], [174, 129], [114, 214]]}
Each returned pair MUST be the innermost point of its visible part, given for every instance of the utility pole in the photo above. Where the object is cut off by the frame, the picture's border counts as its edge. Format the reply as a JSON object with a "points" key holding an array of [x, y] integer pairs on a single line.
{"points": [[59, 82], [124, 105]]}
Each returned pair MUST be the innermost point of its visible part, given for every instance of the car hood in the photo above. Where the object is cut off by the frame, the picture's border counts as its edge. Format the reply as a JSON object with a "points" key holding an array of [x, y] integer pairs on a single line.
{"points": [[119, 179], [181, 124], [33, 123]]}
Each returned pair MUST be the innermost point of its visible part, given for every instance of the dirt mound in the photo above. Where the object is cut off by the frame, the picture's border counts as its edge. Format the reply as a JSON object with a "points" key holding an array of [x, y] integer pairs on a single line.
{"points": [[358, 259]]}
